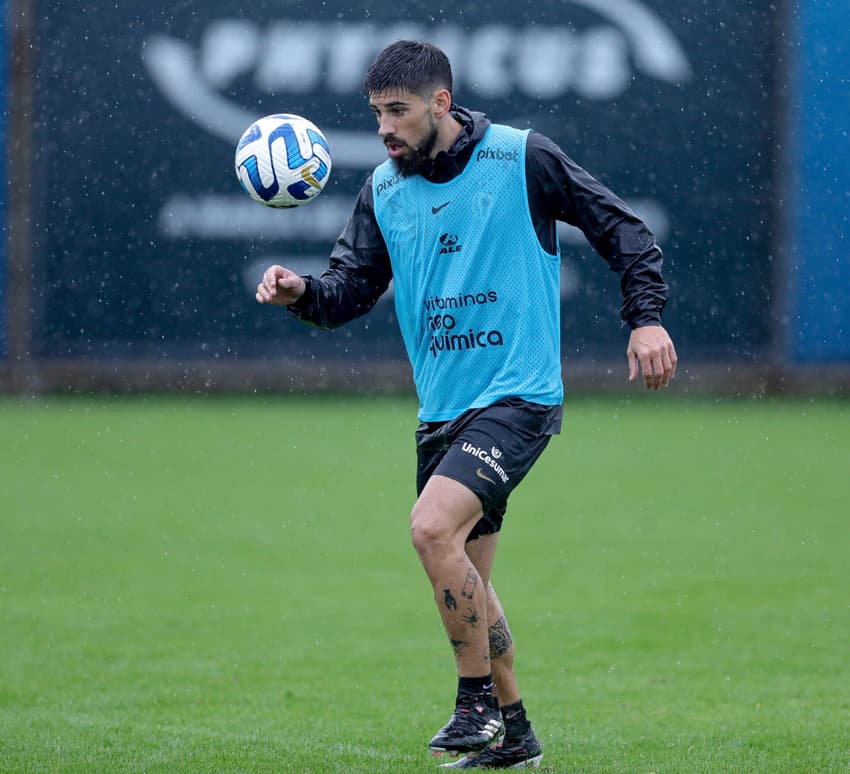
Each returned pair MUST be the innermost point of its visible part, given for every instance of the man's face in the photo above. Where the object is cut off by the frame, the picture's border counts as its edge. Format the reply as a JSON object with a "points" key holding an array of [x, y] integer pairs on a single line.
{"points": [[407, 125]]}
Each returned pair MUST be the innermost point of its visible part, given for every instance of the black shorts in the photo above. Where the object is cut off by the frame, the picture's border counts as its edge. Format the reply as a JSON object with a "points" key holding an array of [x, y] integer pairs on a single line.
{"points": [[488, 450]]}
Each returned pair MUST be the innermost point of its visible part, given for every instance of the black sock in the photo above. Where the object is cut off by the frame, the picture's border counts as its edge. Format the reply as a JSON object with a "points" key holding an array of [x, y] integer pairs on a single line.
{"points": [[516, 723], [475, 686]]}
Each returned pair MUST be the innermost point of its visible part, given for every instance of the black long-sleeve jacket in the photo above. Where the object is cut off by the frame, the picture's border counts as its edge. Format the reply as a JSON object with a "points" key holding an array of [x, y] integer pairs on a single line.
{"points": [[558, 189]]}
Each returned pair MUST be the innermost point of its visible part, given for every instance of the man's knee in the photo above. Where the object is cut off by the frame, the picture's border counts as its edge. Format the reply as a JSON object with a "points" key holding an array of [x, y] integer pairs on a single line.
{"points": [[420, 532], [443, 516], [429, 531]]}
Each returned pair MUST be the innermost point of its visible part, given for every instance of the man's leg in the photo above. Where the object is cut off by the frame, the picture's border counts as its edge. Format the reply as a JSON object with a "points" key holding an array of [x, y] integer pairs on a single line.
{"points": [[441, 519], [443, 516], [481, 553], [520, 747]]}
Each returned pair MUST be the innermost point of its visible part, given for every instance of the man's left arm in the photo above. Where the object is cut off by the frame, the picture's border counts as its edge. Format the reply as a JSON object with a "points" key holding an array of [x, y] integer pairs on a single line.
{"points": [[559, 189]]}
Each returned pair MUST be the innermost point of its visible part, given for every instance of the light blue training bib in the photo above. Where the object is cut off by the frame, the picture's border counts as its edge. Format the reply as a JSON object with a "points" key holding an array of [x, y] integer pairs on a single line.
{"points": [[477, 297]]}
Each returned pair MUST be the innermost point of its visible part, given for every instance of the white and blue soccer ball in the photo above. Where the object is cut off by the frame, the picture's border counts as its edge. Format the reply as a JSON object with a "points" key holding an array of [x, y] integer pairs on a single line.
{"points": [[283, 160]]}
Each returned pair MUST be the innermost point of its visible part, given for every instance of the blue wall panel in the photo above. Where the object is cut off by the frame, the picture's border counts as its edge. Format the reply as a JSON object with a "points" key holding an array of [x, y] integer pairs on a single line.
{"points": [[820, 267], [4, 113]]}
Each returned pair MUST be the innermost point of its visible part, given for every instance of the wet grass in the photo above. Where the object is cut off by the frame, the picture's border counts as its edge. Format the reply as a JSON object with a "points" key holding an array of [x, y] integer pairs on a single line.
{"points": [[227, 585]]}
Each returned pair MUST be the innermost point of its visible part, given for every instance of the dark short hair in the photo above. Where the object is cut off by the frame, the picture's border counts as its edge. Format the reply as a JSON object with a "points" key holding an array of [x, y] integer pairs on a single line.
{"points": [[420, 68]]}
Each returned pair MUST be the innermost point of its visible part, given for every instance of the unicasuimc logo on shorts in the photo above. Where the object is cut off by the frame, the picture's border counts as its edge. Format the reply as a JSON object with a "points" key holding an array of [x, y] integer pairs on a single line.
{"points": [[487, 459]]}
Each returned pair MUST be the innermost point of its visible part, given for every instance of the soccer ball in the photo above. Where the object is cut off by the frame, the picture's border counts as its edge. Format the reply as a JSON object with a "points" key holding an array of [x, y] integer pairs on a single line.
{"points": [[283, 160]]}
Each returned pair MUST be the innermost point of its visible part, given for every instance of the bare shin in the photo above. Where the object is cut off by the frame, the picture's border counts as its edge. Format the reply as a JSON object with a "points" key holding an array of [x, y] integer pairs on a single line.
{"points": [[441, 519], [501, 651]]}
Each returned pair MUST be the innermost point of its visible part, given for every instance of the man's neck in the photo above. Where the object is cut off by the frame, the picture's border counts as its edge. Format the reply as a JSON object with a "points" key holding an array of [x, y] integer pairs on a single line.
{"points": [[447, 133]]}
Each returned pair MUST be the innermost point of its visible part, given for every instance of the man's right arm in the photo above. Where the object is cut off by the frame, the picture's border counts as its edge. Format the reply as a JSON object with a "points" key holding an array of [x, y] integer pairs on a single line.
{"points": [[358, 274]]}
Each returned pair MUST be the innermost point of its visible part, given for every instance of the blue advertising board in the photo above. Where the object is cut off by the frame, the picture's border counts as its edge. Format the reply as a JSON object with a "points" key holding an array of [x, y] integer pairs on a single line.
{"points": [[149, 248], [820, 270], [4, 112]]}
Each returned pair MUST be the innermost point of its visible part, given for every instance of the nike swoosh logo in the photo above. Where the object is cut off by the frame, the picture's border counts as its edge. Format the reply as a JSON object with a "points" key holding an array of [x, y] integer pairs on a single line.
{"points": [[435, 210], [481, 475]]}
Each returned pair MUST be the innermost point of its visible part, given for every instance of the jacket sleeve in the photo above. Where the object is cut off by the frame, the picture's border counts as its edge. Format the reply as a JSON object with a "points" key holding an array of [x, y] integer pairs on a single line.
{"points": [[559, 189], [358, 274]]}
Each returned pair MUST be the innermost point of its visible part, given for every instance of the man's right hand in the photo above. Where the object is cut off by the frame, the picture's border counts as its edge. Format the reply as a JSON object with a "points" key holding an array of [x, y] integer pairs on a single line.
{"points": [[280, 286]]}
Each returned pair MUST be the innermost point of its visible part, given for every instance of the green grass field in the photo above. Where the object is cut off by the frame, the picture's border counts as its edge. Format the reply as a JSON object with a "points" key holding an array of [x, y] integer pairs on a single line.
{"points": [[227, 585]]}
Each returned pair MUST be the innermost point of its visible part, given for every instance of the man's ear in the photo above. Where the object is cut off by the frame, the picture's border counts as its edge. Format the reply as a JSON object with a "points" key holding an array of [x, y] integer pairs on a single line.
{"points": [[442, 102]]}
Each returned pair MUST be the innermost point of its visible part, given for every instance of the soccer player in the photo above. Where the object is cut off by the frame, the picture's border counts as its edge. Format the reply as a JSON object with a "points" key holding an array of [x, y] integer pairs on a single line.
{"points": [[462, 218]]}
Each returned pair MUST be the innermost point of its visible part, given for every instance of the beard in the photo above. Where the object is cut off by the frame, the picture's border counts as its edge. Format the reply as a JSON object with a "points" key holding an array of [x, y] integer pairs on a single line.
{"points": [[418, 159]]}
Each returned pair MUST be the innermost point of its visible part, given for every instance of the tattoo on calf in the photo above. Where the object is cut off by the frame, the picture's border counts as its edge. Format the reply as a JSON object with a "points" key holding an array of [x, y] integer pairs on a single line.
{"points": [[450, 601], [459, 646], [469, 584], [472, 618], [500, 638]]}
